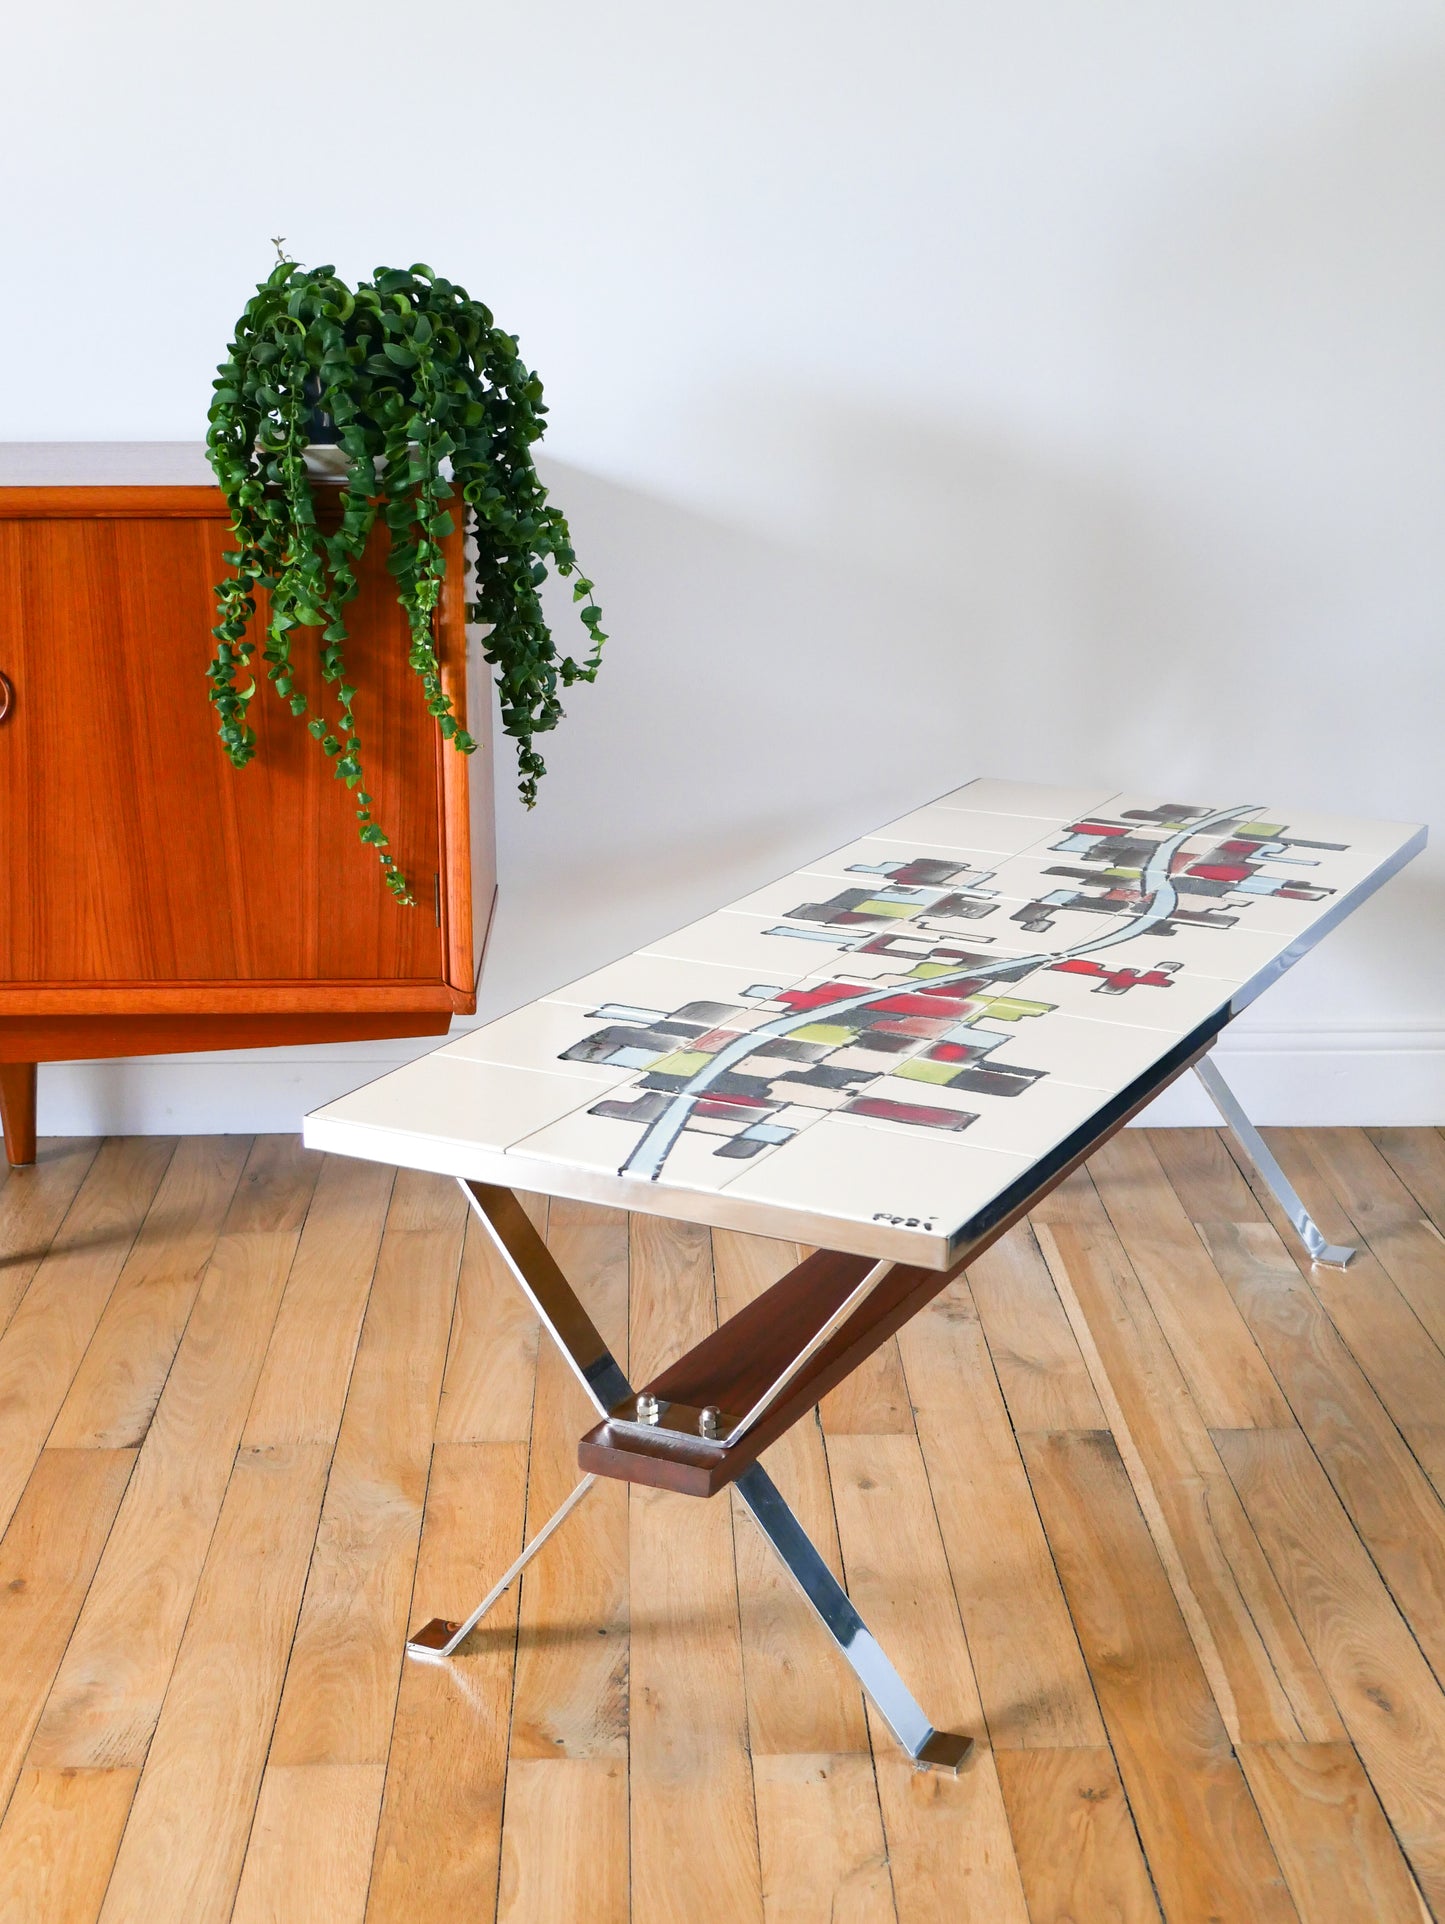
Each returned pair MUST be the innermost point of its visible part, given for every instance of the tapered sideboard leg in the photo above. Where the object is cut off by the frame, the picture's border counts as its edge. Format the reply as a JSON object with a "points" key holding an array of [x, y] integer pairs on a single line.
{"points": [[17, 1110]]}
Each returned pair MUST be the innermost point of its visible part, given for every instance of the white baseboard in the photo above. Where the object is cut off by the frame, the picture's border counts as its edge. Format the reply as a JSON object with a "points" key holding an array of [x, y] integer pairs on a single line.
{"points": [[1309, 1076], [1301, 1075]]}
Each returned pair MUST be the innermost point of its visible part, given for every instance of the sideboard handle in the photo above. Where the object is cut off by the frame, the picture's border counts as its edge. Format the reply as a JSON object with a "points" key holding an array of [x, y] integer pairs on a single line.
{"points": [[7, 696]]}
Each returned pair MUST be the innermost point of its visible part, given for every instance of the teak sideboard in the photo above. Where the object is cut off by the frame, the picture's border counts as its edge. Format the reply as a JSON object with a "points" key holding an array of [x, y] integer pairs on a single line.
{"points": [[152, 898]]}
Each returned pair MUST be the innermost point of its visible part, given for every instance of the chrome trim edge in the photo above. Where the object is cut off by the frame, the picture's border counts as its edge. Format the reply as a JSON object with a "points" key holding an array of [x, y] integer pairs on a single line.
{"points": [[1040, 1174]]}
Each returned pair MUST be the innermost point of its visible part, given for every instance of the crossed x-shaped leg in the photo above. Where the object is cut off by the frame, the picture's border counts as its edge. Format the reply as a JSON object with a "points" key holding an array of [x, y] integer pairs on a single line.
{"points": [[610, 1394], [638, 1430]]}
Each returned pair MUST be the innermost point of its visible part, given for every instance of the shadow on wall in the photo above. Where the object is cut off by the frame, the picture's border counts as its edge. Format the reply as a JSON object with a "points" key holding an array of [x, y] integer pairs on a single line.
{"points": [[763, 701], [1223, 574]]}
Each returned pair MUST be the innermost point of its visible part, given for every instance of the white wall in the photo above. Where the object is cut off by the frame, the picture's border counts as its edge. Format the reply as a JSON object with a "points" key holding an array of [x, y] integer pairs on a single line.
{"points": [[1051, 391]]}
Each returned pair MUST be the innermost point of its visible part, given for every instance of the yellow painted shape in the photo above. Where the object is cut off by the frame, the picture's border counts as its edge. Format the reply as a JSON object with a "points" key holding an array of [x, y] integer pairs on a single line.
{"points": [[920, 1069], [1012, 1008], [925, 971], [683, 1062]]}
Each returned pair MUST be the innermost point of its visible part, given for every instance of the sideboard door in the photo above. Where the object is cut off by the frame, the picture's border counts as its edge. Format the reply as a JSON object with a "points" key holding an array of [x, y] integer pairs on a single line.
{"points": [[133, 851]]}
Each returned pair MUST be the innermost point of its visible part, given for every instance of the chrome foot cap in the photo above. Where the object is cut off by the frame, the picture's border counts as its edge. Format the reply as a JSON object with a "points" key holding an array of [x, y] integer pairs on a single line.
{"points": [[944, 1751], [1333, 1255], [431, 1638]]}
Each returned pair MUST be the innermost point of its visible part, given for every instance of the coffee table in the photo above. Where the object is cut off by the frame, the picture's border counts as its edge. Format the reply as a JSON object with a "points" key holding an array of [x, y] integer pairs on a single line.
{"points": [[892, 1054]]}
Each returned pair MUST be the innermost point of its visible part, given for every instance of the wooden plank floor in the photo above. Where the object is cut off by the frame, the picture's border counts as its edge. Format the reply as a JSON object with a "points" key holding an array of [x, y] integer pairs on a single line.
{"points": [[1143, 1502]]}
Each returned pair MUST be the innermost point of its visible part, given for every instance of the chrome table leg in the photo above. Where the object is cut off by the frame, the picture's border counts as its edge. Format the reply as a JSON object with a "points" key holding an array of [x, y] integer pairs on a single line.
{"points": [[440, 1637], [1258, 1151], [607, 1389], [550, 1294], [887, 1690], [575, 1334]]}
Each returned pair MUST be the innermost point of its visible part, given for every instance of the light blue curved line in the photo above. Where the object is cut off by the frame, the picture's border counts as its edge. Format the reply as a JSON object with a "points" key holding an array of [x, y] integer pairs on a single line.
{"points": [[656, 1142]]}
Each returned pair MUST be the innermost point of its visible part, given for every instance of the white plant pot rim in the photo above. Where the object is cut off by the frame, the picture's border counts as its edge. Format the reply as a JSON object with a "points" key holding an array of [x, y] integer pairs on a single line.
{"points": [[329, 461]]}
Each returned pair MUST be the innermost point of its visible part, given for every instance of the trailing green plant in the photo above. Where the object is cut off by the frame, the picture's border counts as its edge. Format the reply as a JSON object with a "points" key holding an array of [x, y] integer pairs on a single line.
{"points": [[418, 381]]}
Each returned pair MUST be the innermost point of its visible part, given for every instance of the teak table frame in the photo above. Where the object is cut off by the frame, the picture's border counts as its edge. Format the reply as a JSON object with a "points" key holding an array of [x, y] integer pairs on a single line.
{"points": [[703, 1422]]}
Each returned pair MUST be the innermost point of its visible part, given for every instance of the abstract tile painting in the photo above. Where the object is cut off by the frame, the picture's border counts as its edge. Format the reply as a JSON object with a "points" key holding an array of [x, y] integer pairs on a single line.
{"points": [[892, 1036], [943, 964]]}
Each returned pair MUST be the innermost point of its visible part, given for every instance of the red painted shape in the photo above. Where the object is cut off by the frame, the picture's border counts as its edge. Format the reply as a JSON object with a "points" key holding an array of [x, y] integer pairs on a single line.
{"points": [[1221, 871], [913, 1025], [919, 1114], [819, 997], [935, 1004], [949, 1052], [1116, 978], [1097, 828]]}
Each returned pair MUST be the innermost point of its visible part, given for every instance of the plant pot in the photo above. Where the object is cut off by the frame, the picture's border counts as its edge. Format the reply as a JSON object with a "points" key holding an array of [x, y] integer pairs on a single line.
{"points": [[322, 429], [327, 462]]}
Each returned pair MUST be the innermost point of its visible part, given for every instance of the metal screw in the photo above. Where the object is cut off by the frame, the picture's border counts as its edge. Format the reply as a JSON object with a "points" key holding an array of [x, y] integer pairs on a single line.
{"points": [[707, 1420], [648, 1409]]}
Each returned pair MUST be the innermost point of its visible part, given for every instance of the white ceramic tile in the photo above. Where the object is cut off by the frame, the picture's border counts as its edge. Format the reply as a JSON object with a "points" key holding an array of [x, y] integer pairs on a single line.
{"points": [[483, 1105], [1021, 877], [809, 900], [1247, 901], [1026, 798], [1006, 1035], [938, 826], [1096, 1055], [536, 1037], [1361, 836], [858, 864], [877, 971], [777, 900], [665, 984], [1290, 916], [1177, 1008], [1369, 841], [1332, 875], [1234, 954], [995, 974], [932, 1181], [988, 877], [773, 950], [1196, 855], [1050, 867], [596, 1142], [1026, 1125], [1236, 948]]}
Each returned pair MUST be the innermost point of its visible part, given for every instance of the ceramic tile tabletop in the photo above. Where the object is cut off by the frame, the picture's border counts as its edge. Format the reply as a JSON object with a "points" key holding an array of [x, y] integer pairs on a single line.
{"points": [[872, 1052], [947, 824], [1025, 798]]}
